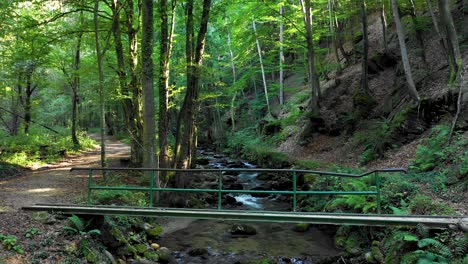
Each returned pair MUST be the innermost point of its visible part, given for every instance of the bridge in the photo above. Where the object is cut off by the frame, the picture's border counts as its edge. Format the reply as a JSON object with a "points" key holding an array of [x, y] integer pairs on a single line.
{"points": [[293, 216]]}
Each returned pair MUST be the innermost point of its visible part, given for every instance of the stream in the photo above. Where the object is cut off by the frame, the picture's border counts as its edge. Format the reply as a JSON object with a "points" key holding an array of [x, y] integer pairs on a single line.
{"points": [[211, 241]]}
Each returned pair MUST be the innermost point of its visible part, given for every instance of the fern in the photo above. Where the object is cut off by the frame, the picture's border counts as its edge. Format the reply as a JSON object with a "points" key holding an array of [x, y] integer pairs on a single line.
{"points": [[76, 223], [437, 247], [423, 231], [461, 247]]}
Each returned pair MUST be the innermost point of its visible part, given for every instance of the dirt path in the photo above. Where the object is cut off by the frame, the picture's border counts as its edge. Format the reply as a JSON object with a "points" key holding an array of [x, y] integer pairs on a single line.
{"points": [[54, 183]]}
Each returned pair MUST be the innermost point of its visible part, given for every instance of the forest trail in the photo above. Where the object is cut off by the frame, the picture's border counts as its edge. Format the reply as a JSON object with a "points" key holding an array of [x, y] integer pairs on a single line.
{"points": [[54, 183]]}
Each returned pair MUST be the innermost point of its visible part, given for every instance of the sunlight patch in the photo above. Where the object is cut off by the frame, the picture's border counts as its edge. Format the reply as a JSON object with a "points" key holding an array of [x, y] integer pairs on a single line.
{"points": [[41, 190]]}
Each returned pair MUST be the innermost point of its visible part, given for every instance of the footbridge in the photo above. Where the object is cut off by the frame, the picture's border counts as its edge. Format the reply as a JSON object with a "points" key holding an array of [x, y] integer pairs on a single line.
{"points": [[372, 194]]}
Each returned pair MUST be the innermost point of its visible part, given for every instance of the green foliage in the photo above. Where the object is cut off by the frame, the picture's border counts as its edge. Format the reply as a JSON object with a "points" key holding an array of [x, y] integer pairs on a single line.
{"points": [[308, 164], [376, 140], [32, 232], [433, 150], [10, 243], [128, 198], [36, 147], [355, 203], [424, 205], [77, 226], [252, 147]]}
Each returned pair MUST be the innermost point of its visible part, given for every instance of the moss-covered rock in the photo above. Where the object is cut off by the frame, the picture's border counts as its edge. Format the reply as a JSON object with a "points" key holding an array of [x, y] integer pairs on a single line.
{"points": [[165, 255], [301, 227], [44, 218]]}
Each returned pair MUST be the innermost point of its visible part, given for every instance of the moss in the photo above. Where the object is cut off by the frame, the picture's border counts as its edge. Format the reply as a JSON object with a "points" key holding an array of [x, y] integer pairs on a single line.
{"points": [[151, 255], [308, 164], [301, 227], [141, 248]]}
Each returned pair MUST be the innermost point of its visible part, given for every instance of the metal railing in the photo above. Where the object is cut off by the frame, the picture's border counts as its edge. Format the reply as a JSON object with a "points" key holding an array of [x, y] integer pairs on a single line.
{"points": [[220, 191]]}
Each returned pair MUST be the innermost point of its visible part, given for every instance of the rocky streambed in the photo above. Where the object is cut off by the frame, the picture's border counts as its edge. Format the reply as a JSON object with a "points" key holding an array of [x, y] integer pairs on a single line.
{"points": [[209, 241]]}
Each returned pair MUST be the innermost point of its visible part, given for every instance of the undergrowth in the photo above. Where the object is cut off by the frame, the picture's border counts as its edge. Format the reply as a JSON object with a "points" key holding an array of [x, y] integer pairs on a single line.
{"points": [[39, 147]]}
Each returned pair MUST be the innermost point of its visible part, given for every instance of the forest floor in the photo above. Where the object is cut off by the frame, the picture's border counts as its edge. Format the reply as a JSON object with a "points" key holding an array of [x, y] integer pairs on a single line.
{"points": [[52, 183]]}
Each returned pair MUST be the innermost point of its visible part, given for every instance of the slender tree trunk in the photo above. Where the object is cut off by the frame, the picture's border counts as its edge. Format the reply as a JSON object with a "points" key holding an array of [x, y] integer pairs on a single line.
{"points": [[454, 54], [164, 64], [332, 34], [314, 83], [443, 41], [365, 53], [383, 21], [281, 58], [100, 85], [186, 138], [234, 79], [419, 33], [27, 102], [265, 88], [76, 86], [404, 54]]}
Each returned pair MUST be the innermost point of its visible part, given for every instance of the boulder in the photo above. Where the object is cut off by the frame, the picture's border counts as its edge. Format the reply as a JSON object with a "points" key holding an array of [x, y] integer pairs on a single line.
{"points": [[165, 255], [202, 161], [195, 252], [243, 230], [234, 186], [229, 199]]}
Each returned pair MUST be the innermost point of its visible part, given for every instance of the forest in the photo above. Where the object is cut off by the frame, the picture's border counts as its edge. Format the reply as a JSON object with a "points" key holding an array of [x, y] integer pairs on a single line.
{"points": [[345, 86]]}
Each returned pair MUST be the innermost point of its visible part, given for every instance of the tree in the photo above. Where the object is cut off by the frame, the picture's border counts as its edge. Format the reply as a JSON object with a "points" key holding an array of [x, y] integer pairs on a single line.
{"points": [[149, 130], [365, 39], [99, 56], [454, 55], [128, 76], [262, 68], [165, 53], [313, 82], [404, 54], [186, 128]]}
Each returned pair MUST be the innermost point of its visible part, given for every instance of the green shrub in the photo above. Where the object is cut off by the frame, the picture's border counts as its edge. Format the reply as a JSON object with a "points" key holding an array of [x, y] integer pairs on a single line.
{"points": [[10, 243], [128, 198]]}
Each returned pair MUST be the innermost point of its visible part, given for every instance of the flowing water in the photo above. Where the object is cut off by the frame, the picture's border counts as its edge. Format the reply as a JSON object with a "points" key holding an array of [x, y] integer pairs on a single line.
{"points": [[210, 241]]}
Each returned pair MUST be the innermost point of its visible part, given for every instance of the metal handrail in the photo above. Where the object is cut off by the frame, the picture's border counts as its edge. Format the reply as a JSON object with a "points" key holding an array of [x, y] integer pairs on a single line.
{"points": [[221, 191]]}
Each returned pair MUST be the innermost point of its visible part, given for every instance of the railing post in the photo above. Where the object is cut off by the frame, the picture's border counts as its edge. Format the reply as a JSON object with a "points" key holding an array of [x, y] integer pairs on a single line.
{"points": [[151, 195], [377, 185], [90, 185], [294, 191], [220, 187]]}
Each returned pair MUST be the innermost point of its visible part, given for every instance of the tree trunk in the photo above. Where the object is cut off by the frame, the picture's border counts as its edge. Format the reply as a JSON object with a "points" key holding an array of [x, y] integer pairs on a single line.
{"points": [[164, 64], [99, 56], [314, 83], [149, 130], [404, 54], [365, 53], [419, 33], [134, 102], [265, 88], [234, 79], [454, 54], [186, 129], [281, 58], [383, 21], [443, 41], [76, 86], [332, 34], [27, 101]]}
